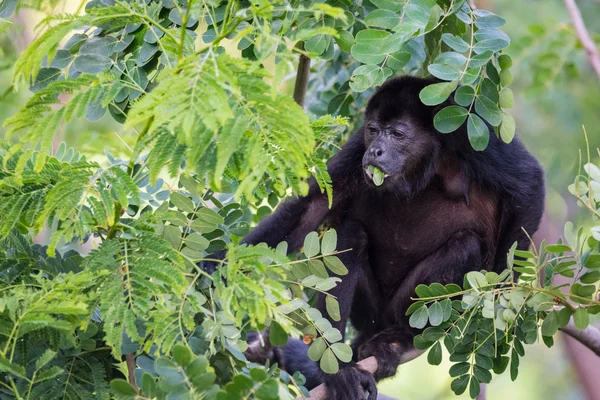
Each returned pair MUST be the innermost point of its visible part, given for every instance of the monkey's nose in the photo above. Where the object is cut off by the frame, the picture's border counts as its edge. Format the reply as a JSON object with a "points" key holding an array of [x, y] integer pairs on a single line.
{"points": [[376, 152]]}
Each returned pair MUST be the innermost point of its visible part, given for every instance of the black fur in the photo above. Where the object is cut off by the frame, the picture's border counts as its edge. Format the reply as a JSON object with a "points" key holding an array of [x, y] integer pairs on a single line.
{"points": [[444, 210]]}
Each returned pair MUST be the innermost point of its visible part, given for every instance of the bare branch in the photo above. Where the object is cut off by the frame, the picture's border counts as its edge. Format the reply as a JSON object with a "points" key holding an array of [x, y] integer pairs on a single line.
{"points": [[589, 337], [302, 76], [584, 36], [368, 364], [131, 365]]}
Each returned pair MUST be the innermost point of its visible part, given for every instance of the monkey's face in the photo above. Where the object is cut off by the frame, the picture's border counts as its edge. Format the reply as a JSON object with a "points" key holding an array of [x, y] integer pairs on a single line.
{"points": [[400, 149]]}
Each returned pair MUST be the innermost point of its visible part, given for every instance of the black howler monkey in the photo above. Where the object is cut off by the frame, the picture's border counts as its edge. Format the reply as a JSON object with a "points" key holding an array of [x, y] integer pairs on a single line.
{"points": [[442, 210]]}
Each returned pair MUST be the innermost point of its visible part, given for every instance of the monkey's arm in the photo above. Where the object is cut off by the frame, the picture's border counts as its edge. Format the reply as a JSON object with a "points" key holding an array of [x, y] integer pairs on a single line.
{"points": [[292, 220], [516, 175]]}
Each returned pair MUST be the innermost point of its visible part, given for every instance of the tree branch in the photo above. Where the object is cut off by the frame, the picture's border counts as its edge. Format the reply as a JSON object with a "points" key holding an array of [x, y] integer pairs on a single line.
{"points": [[302, 75], [584, 36], [130, 359], [589, 337], [368, 364]]}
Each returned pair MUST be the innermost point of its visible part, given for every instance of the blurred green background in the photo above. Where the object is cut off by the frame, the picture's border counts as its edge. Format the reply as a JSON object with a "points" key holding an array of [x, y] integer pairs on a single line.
{"points": [[556, 93]]}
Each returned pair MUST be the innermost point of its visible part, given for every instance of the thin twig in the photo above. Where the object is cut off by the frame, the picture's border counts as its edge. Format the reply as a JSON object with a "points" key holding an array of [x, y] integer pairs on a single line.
{"points": [[589, 337], [302, 76], [584, 36]]}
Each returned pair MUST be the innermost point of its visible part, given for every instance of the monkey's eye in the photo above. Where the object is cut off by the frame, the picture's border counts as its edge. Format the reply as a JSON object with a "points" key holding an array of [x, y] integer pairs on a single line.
{"points": [[397, 133], [372, 130]]}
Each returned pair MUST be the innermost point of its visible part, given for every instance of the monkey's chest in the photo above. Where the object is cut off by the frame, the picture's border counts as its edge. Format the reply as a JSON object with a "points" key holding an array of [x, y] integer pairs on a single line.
{"points": [[401, 234]]}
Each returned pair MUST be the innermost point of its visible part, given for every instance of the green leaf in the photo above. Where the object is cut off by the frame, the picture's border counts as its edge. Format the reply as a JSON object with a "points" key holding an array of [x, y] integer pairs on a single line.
{"points": [[329, 242], [367, 53], [49, 373], [207, 220], [372, 37], [92, 63], [550, 324], [419, 318], [474, 387], [433, 334], [506, 98], [455, 42], [436, 93], [459, 385], [418, 13], [392, 5], [476, 279], [333, 308], [196, 242], [488, 110], [173, 235], [7, 8], [44, 359], [398, 60], [182, 202], [490, 39], [103, 46], [382, 19], [317, 268], [277, 336], [564, 315], [581, 318], [182, 355], [317, 44], [44, 77], [414, 307], [342, 351], [593, 261], [446, 72], [12, 368], [434, 357], [423, 291], [506, 77], [450, 119], [436, 314], [345, 41], [332, 335], [478, 132], [311, 244], [504, 61], [364, 77], [122, 387], [329, 363], [464, 95], [487, 19], [507, 128], [316, 349], [459, 369], [590, 277], [335, 265]]}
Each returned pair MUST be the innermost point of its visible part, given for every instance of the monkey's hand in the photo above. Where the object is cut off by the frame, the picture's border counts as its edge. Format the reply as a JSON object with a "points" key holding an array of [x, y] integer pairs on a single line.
{"points": [[388, 357], [351, 382]]}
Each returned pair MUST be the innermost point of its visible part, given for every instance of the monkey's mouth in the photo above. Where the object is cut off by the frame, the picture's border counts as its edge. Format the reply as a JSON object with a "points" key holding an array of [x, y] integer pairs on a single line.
{"points": [[376, 175]]}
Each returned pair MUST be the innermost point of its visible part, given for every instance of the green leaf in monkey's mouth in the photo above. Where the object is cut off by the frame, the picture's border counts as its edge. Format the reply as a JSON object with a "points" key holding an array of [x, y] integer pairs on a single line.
{"points": [[376, 175]]}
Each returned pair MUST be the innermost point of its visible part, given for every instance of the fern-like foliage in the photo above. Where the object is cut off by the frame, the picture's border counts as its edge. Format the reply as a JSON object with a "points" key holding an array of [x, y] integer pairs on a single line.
{"points": [[138, 272], [79, 196], [220, 107], [39, 119], [45, 332]]}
